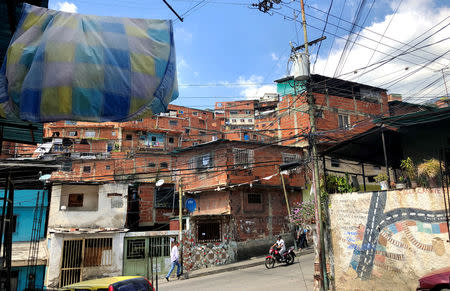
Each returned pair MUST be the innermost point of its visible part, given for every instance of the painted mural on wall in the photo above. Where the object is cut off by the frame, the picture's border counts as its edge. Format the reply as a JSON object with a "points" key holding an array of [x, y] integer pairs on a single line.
{"points": [[388, 237]]}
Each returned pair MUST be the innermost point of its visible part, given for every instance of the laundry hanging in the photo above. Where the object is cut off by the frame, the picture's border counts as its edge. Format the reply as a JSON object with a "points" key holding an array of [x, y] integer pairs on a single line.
{"points": [[67, 66]]}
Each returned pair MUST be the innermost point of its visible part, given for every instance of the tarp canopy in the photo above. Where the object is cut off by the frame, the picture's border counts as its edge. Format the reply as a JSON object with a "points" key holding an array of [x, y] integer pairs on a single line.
{"points": [[66, 66]]}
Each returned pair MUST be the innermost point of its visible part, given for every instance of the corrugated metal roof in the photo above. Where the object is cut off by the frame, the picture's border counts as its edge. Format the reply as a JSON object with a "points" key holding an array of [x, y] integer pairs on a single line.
{"points": [[22, 132]]}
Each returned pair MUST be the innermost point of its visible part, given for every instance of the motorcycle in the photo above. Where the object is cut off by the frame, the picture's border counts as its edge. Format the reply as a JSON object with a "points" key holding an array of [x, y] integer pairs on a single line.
{"points": [[275, 257]]}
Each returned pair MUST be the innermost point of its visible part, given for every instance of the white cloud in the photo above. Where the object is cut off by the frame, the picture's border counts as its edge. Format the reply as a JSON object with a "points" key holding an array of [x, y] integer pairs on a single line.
{"points": [[65, 6], [253, 87], [182, 34], [412, 19], [274, 56]]}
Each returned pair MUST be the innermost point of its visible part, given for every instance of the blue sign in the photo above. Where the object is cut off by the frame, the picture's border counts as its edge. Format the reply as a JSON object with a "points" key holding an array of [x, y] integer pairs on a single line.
{"points": [[191, 205]]}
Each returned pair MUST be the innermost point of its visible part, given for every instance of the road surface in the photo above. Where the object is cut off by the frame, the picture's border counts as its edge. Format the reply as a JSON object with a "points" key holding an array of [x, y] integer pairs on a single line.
{"points": [[298, 276]]}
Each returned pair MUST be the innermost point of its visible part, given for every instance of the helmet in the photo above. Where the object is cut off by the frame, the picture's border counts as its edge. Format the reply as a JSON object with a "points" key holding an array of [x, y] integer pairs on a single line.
{"points": [[279, 236]]}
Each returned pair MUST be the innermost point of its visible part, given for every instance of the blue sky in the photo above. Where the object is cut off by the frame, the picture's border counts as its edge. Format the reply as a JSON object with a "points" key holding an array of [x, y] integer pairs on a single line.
{"points": [[234, 52]]}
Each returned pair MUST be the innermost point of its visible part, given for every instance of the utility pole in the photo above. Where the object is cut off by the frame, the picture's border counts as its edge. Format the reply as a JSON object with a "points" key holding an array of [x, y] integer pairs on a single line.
{"points": [[285, 192], [180, 219], [315, 169]]}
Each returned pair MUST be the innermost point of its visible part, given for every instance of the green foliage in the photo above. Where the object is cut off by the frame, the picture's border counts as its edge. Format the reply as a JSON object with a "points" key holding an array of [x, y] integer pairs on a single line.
{"points": [[407, 165], [429, 168], [381, 177], [401, 179], [337, 184]]}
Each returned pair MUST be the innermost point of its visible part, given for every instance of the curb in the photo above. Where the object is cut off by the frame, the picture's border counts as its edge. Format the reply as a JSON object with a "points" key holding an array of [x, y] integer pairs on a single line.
{"points": [[243, 266]]}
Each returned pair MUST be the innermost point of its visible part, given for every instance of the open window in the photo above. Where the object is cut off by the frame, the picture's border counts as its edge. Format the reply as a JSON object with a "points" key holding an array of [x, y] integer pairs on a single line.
{"points": [[85, 198], [75, 200]]}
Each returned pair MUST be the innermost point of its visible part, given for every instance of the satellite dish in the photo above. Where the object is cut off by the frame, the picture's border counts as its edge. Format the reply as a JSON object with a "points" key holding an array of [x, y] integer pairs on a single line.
{"points": [[159, 182]]}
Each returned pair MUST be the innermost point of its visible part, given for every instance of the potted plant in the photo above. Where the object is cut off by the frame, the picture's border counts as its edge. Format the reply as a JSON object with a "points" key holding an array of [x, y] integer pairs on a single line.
{"points": [[382, 179], [401, 183], [430, 169], [410, 170]]}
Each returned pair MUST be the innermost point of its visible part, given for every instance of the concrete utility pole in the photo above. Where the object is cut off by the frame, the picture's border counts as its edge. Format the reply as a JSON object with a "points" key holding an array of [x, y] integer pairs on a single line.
{"points": [[315, 168], [180, 218]]}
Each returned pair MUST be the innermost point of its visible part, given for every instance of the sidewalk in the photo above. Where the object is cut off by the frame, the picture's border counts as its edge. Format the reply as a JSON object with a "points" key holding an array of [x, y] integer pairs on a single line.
{"points": [[256, 261]]}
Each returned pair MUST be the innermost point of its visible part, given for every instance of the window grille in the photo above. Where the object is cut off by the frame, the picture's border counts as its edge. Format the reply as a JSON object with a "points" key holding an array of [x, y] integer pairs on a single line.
{"points": [[209, 232], [289, 158], [243, 158], [173, 122], [136, 249], [159, 246], [83, 253], [98, 252], [89, 133], [344, 121]]}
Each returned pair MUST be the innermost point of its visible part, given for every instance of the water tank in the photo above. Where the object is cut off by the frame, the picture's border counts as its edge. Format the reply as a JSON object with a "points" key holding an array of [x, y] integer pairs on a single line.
{"points": [[300, 66]]}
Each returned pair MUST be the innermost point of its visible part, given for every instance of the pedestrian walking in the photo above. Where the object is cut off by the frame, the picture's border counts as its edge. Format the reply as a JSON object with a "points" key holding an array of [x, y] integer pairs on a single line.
{"points": [[303, 240], [175, 259]]}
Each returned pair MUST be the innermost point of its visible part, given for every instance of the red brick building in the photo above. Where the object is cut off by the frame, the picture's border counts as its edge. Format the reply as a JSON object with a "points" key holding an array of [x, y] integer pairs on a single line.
{"points": [[240, 200], [343, 109]]}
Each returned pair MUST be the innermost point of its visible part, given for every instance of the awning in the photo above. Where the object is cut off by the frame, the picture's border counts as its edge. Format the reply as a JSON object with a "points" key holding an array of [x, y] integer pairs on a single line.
{"points": [[67, 66], [368, 147]]}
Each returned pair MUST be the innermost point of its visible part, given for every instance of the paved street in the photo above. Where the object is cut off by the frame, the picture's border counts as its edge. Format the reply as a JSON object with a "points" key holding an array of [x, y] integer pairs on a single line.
{"points": [[298, 276]]}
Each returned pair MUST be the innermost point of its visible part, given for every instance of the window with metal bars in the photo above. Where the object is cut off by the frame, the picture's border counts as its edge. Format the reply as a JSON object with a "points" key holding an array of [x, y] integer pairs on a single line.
{"points": [[344, 121], [98, 252], [289, 158], [201, 163], [209, 231], [136, 249], [243, 158]]}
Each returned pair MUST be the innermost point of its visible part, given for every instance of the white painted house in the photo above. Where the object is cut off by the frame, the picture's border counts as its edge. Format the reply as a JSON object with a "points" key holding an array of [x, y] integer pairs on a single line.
{"points": [[86, 231]]}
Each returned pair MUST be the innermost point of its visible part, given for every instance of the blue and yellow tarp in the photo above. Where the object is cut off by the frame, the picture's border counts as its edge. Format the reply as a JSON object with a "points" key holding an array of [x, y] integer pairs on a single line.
{"points": [[66, 66]]}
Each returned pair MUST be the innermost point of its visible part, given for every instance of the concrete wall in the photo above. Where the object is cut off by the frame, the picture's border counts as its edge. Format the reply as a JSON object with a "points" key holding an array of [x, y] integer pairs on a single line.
{"points": [[387, 240], [110, 213], [22, 277], [55, 246], [24, 208]]}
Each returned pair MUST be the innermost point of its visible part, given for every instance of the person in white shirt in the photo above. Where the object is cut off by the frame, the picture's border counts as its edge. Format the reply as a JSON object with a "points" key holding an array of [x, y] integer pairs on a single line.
{"points": [[174, 257], [280, 245]]}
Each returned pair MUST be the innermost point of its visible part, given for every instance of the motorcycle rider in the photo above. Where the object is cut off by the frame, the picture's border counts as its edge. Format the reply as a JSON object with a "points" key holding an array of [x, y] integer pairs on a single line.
{"points": [[280, 246]]}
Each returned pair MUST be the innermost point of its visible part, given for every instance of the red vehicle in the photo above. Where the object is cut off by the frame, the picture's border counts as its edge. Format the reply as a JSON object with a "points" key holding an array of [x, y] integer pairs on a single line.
{"points": [[274, 256], [436, 280]]}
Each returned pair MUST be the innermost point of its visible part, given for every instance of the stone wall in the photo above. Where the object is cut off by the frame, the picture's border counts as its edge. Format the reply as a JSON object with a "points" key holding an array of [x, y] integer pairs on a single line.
{"points": [[205, 255], [387, 240]]}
